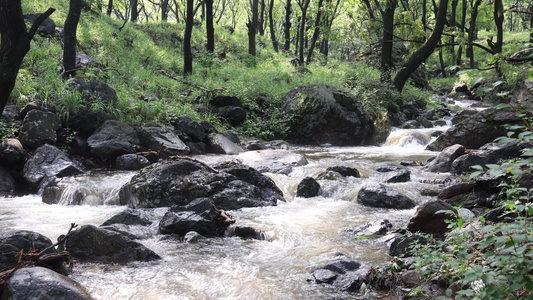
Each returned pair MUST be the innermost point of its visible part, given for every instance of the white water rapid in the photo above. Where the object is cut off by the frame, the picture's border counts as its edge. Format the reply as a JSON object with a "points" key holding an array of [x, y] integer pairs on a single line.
{"points": [[303, 234]]}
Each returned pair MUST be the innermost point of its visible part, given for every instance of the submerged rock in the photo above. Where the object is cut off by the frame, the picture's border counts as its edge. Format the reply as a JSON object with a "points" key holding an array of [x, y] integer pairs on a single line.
{"points": [[308, 188]]}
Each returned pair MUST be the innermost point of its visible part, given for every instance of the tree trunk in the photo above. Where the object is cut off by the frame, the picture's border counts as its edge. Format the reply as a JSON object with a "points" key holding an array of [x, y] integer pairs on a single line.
{"points": [[187, 52], [498, 20], [423, 52], [424, 14], [261, 22], [272, 29], [210, 30], [109, 7], [134, 10], [164, 10], [462, 29], [252, 27], [453, 24], [472, 33], [69, 44], [303, 7], [287, 25], [318, 20], [387, 15]]}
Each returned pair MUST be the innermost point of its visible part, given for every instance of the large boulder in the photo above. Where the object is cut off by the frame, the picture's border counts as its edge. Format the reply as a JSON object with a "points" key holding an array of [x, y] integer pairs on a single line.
{"points": [[228, 186], [220, 144], [13, 241], [477, 130], [93, 90], [200, 216], [86, 121], [323, 114], [43, 284], [379, 195], [344, 275], [12, 154], [444, 161], [113, 139], [308, 188], [92, 244], [191, 128], [7, 182], [431, 217], [130, 162], [164, 138], [39, 128], [233, 114], [48, 163], [47, 27]]}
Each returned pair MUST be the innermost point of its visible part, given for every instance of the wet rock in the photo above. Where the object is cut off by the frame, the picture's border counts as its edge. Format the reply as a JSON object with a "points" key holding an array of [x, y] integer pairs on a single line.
{"points": [[379, 195], [431, 218], [164, 138], [13, 241], [39, 128], [326, 115], [222, 145], [8, 184], [47, 164], [388, 167], [444, 161], [345, 171], [200, 216], [233, 114], [197, 148], [232, 136], [130, 162], [47, 27], [255, 145], [456, 189], [398, 176], [130, 217], [112, 139], [86, 121], [308, 188], [192, 237], [230, 186], [372, 229], [343, 275], [93, 244], [43, 284], [402, 246], [12, 153], [190, 127]]}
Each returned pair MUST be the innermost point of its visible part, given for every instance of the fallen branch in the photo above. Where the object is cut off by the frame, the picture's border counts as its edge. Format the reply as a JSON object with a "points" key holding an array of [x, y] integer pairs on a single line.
{"points": [[61, 240], [189, 83]]}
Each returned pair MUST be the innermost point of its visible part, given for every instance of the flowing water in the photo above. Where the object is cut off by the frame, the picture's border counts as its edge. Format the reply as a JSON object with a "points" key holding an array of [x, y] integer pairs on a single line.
{"points": [[303, 234]]}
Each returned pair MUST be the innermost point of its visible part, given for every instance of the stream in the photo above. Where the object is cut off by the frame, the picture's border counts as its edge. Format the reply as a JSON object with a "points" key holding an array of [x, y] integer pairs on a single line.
{"points": [[303, 234]]}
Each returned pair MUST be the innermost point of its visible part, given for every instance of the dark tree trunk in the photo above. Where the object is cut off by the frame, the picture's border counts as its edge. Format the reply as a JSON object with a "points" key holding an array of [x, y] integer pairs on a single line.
{"points": [[303, 7], [109, 7], [271, 25], [261, 22], [318, 20], [442, 65], [187, 52], [387, 15], [14, 44], [453, 23], [423, 52], [134, 10], [531, 24], [164, 10], [462, 28], [369, 8], [210, 30], [424, 14], [287, 25], [472, 32], [252, 27], [498, 20], [69, 46]]}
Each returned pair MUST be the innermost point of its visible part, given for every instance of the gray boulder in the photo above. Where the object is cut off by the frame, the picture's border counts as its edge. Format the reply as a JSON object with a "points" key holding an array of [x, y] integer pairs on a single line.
{"points": [[7, 182], [36, 104], [39, 128], [130, 162], [13, 241], [200, 216], [220, 144], [48, 163], [12, 154], [86, 121], [233, 114], [323, 114], [403, 175], [430, 218], [191, 128], [379, 195], [47, 27], [308, 188], [113, 139], [92, 244], [228, 185], [152, 137], [444, 161], [43, 284], [94, 90]]}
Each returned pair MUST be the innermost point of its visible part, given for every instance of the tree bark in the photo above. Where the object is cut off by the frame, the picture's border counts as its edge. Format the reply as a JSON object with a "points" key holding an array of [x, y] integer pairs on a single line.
{"points": [[423, 52], [316, 33], [109, 7], [304, 4], [252, 27], [472, 32], [187, 52], [387, 15], [164, 10], [69, 44], [462, 28], [287, 25], [134, 10], [271, 25], [14, 44], [210, 30]]}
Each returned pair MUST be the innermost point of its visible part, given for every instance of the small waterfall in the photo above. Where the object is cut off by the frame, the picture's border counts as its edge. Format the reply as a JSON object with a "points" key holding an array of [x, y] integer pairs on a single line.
{"points": [[409, 138]]}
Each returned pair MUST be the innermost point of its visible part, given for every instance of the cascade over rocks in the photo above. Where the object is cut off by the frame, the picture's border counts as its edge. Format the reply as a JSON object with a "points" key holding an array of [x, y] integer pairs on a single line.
{"points": [[39, 128], [43, 284], [48, 163], [372, 229], [92, 244], [12, 241], [379, 195], [229, 186], [113, 139], [323, 114]]}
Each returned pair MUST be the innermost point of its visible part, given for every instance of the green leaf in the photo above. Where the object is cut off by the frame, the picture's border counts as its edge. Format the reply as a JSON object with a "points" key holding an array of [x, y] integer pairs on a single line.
{"points": [[497, 83], [470, 275], [502, 105], [484, 90], [475, 81]]}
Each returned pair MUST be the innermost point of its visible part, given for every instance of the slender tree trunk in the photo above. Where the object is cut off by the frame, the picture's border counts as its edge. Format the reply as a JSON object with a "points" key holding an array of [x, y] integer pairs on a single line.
{"points": [[209, 28], [423, 52], [424, 14], [252, 28], [388, 37], [14, 44], [442, 65], [272, 29], [287, 25], [69, 45], [134, 10], [187, 52], [453, 23], [303, 7], [531, 24], [164, 10], [369, 9], [318, 20], [462, 29], [109, 7], [261, 22], [472, 33], [498, 20]]}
